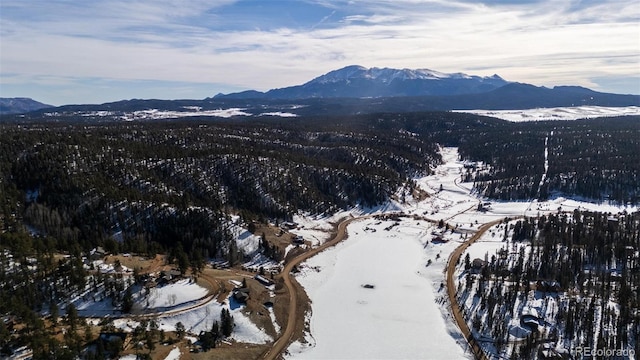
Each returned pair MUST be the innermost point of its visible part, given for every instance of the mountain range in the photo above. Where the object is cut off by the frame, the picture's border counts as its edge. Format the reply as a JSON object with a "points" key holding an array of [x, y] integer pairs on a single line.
{"points": [[20, 105], [359, 82], [350, 90]]}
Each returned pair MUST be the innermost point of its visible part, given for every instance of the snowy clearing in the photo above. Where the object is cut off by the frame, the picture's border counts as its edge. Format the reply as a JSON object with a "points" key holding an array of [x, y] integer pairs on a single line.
{"points": [[181, 292], [377, 309], [174, 354], [559, 113], [202, 318]]}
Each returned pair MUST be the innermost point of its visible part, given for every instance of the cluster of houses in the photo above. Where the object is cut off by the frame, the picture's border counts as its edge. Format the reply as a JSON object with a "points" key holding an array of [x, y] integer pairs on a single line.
{"points": [[438, 237], [161, 278], [241, 292]]}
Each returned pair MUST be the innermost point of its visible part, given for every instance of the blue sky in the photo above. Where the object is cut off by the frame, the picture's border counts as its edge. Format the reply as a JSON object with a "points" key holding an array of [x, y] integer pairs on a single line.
{"points": [[94, 51]]}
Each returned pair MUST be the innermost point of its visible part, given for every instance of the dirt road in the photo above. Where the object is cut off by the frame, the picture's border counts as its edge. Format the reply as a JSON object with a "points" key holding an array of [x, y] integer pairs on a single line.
{"points": [[292, 287], [451, 290]]}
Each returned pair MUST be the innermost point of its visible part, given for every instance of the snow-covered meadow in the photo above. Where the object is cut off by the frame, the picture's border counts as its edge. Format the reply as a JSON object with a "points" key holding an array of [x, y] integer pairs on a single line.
{"points": [[558, 113], [405, 314], [374, 296], [202, 318], [181, 292]]}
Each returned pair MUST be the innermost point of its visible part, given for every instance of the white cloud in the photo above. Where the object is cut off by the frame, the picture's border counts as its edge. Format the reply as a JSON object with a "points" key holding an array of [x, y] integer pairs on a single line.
{"points": [[545, 43]]}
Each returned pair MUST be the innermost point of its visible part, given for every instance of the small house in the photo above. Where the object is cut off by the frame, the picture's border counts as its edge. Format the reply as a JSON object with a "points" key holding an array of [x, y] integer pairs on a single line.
{"points": [[547, 351], [166, 277], [548, 286], [439, 240], [288, 225], [530, 318], [241, 295], [97, 253], [263, 280]]}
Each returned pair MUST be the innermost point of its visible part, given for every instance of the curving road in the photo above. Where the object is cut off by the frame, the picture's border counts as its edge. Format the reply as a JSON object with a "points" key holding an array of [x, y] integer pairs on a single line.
{"points": [[292, 285], [286, 337], [451, 289]]}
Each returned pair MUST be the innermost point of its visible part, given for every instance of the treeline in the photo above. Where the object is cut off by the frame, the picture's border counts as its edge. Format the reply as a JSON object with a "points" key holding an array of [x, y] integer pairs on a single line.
{"points": [[154, 184], [588, 262], [598, 159], [144, 187]]}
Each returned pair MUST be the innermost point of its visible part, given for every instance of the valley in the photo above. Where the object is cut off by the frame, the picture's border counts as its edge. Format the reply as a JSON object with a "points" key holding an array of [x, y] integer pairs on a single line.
{"points": [[152, 232], [319, 179], [362, 321]]}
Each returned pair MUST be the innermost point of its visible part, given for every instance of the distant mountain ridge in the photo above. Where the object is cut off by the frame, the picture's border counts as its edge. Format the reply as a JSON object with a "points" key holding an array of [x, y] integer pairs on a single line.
{"points": [[359, 82], [348, 91], [19, 105]]}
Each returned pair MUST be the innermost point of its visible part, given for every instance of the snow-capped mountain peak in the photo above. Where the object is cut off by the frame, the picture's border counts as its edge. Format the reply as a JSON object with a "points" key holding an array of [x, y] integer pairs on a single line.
{"points": [[357, 81], [387, 75]]}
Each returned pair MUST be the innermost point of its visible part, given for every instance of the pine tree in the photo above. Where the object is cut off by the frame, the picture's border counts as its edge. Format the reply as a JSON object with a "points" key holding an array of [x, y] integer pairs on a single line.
{"points": [[127, 301], [180, 330], [72, 315], [226, 322], [53, 311]]}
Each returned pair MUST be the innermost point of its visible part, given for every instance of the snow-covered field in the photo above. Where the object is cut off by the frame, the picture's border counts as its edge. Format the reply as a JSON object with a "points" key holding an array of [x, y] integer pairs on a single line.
{"points": [[405, 314], [202, 318], [396, 319], [181, 292], [559, 113], [173, 296], [174, 354], [188, 111]]}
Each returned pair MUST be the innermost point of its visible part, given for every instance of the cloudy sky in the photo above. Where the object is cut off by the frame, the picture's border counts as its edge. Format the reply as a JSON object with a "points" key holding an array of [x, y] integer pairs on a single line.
{"points": [[94, 51]]}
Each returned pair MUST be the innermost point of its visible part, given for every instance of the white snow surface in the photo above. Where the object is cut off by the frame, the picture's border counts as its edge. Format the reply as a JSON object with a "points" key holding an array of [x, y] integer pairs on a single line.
{"points": [[181, 292], [246, 241], [387, 75], [189, 111], [174, 354], [398, 318], [279, 113], [406, 314], [557, 113], [202, 318], [166, 114]]}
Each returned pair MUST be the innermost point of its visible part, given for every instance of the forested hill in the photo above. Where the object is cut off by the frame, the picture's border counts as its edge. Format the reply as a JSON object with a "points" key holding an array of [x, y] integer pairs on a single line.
{"points": [[159, 184], [598, 159], [163, 183]]}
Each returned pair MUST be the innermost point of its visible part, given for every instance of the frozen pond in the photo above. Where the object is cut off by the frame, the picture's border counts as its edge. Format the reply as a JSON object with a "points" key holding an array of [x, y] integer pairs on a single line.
{"points": [[399, 317]]}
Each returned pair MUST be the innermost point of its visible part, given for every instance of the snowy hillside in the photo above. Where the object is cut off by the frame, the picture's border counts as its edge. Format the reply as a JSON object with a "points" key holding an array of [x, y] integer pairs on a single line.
{"points": [[558, 113], [387, 75]]}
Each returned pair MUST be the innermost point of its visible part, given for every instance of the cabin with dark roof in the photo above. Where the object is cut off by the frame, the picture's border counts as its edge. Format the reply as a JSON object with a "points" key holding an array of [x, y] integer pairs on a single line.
{"points": [[263, 280], [241, 295]]}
